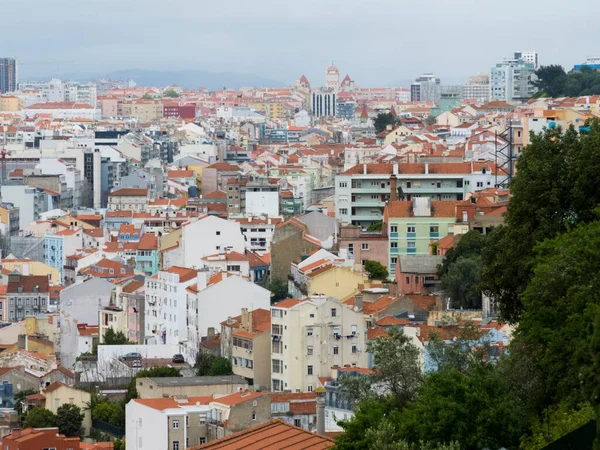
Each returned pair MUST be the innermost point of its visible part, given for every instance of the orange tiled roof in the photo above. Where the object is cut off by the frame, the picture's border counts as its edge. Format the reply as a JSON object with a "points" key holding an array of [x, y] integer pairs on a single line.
{"points": [[274, 435], [288, 303], [185, 273]]}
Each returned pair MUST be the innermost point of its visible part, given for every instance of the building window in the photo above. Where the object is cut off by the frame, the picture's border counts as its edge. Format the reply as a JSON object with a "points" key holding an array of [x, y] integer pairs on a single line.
{"points": [[253, 415], [394, 260], [394, 229], [354, 349], [336, 350], [343, 211], [407, 280], [297, 423], [309, 350], [201, 440], [175, 424], [434, 229], [175, 445], [309, 370], [364, 246], [411, 229], [411, 245], [333, 312], [309, 388], [218, 233], [393, 245], [276, 366], [343, 184], [309, 331]]}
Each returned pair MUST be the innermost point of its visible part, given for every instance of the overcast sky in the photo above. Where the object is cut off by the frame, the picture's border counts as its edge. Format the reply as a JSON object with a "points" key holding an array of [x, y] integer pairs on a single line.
{"points": [[375, 41]]}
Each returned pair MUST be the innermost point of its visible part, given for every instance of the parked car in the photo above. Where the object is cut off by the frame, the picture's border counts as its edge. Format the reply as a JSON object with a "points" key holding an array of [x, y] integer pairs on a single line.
{"points": [[131, 356], [136, 364], [178, 358]]}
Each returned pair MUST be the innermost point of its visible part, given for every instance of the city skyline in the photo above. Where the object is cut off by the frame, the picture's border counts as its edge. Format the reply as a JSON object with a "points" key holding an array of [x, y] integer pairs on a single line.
{"points": [[284, 44]]}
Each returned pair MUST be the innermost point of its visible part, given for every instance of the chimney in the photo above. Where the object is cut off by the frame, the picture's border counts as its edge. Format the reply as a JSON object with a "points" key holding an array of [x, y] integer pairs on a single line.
{"points": [[395, 168], [202, 279], [358, 301], [426, 169], [364, 168], [393, 188], [320, 411], [246, 320], [211, 332]]}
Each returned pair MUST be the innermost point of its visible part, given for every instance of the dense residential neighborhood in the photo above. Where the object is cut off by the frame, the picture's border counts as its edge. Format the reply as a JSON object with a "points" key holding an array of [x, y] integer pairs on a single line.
{"points": [[319, 265]]}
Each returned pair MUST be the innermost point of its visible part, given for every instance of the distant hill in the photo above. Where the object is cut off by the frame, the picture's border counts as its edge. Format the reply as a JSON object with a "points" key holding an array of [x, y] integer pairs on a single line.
{"points": [[187, 79], [192, 79]]}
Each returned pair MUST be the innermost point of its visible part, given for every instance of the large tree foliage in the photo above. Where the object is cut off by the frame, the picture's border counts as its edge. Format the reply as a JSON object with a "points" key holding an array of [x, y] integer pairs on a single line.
{"points": [[208, 364], [396, 371], [462, 283], [561, 303], [469, 245], [376, 270], [474, 407], [554, 423], [555, 189], [69, 419], [279, 290], [383, 120], [40, 418], [112, 337], [553, 81]]}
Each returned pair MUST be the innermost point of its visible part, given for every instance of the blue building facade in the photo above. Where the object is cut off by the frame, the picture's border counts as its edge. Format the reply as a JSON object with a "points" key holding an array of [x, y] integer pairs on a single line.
{"points": [[54, 255]]}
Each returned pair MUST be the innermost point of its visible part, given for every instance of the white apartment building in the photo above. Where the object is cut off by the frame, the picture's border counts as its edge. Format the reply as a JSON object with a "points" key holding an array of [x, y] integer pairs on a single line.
{"points": [[167, 423], [258, 231], [56, 90], [215, 298], [166, 305], [209, 235], [311, 336], [362, 192]]}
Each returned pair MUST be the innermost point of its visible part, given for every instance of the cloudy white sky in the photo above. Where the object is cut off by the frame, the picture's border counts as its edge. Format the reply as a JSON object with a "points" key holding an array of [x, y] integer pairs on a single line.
{"points": [[376, 41]]}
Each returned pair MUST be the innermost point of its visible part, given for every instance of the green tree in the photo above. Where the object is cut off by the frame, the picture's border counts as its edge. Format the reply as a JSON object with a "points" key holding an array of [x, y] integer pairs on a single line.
{"points": [[396, 371], [119, 444], [592, 377], [279, 290], [554, 190], [430, 120], [149, 373], [19, 397], [220, 366], [474, 407], [171, 93], [203, 363], [377, 271], [554, 423], [40, 418], [561, 303], [115, 338], [462, 282], [147, 96], [550, 81], [469, 244], [367, 415], [383, 120], [375, 226], [69, 419]]}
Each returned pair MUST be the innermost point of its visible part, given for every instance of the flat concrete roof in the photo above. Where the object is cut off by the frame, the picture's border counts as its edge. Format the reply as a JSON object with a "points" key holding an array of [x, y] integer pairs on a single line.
{"points": [[198, 381]]}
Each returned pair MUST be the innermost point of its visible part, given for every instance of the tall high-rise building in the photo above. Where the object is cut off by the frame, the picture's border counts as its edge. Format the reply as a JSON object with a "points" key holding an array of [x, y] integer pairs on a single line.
{"points": [[530, 57], [8, 75], [512, 80], [425, 88], [323, 103]]}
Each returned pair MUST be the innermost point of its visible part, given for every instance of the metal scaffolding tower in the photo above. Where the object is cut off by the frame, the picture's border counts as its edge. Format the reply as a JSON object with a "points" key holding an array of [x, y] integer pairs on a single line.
{"points": [[505, 156]]}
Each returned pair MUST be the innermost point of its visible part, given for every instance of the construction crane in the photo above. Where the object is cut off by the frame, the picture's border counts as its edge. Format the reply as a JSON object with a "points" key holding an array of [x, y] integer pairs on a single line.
{"points": [[3, 175]]}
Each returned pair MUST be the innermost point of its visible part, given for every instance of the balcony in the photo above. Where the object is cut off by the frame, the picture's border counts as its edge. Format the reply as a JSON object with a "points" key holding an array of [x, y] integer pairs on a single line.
{"points": [[393, 251]]}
